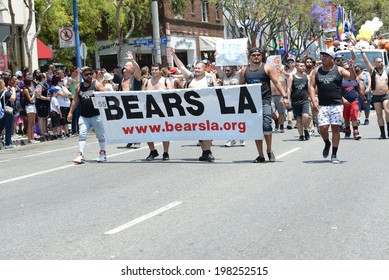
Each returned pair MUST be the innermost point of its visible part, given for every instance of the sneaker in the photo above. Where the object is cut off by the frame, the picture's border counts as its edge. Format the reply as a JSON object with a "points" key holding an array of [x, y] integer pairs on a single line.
{"points": [[152, 155], [207, 157], [301, 138], [136, 145], [282, 130], [242, 143], [357, 136], [129, 145], [230, 143], [259, 159], [334, 159], [33, 141], [271, 156], [366, 122], [382, 136], [359, 122], [10, 146], [306, 135], [16, 137], [326, 150], [102, 156], [289, 127], [165, 156], [79, 159]]}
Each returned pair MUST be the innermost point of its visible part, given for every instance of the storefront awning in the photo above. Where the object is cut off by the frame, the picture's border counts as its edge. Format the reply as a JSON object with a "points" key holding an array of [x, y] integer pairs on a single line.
{"points": [[208, 43], [44, 52]]}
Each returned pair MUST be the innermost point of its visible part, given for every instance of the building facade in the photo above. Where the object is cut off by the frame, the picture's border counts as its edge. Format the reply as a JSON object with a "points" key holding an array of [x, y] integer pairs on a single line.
{"points": [[21, 18], [193, 34]]}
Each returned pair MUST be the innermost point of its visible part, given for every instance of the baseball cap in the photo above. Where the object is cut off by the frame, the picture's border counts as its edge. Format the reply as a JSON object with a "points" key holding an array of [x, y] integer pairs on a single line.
{"points": [[359, 65], [53, 90], [338, 55], [254, 49], [86, 70], [173, 70], [107, 77], [19, 73], [329, 52]]}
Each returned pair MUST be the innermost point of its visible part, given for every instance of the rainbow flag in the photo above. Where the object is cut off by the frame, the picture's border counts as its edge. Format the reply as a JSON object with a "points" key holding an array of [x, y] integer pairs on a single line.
{"points": [[339, 25]]}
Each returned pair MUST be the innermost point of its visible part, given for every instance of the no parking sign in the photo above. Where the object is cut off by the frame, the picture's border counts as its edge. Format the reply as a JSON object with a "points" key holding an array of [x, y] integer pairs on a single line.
{"points": [[66, 37]]}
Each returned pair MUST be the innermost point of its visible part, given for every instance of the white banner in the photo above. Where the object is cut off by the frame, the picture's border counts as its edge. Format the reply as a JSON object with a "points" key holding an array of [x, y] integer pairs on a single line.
{"points": [[233, 112], [231, 52], [275, 61]]}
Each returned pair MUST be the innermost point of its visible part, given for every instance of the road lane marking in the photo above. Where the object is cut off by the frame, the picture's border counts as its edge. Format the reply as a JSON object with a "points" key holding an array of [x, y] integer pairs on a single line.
{"points": [[64, 167], [289, 152], [143, 218]]}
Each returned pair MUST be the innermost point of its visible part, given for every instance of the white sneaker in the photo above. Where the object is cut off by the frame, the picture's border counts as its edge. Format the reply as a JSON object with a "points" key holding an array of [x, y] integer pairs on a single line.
{"points": [[33, 141], [16, 137], [242, 143], [102, 156], [230, 143], [11, 146], [79, 159]]}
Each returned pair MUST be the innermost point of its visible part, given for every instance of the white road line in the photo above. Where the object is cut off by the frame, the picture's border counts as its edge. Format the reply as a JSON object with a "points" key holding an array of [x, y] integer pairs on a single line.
{"points": [[64, 167], [287, 153], [144, 217]]}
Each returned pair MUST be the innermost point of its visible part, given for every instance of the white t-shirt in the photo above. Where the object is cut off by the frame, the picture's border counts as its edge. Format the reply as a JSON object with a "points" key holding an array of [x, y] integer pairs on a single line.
{"points": [[53, 104], [63, 101]]}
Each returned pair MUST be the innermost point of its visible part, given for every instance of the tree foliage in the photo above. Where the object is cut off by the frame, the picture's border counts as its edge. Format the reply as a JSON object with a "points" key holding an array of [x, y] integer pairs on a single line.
{"points": [[93, 17]]}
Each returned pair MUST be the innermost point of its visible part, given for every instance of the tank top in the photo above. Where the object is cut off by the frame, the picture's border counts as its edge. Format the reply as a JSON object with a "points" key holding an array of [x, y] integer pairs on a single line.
{"points": [[85, 95], [260, 76], [350, 90], [329, 86], [40, 102], [299, 93]]}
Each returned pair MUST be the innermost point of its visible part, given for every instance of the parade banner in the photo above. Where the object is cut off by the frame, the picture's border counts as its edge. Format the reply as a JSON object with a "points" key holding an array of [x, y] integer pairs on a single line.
{"points": [[231, 52], [216, 113]]}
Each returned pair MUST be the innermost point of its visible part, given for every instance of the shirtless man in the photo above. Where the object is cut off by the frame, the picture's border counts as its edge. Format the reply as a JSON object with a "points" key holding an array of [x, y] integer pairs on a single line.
{"points": [[132, 80], [197, 79], [157, 82], [380, 88]]}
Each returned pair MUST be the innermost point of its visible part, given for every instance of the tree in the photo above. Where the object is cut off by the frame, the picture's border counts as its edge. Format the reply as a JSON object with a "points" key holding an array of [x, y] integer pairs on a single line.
{"points": [[29, 45], [12, 41]]}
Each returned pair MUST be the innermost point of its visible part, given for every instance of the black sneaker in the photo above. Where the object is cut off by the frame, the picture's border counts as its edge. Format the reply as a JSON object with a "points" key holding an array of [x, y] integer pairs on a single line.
{"points": [[207, 157], [271, 156], [326, 150], [382, 136], [301, 138], [306, 135], [129, 145], [152, 155], [165, 156], [259, 159]]}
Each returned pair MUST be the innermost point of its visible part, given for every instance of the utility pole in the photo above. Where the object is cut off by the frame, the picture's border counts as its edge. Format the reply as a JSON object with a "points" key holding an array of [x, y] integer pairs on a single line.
{"points": [[76, 33], [156, 36]]}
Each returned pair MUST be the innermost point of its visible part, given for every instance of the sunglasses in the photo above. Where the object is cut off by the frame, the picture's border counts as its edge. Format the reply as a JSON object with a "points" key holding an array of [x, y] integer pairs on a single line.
{"points": [[339, 60], [88, 74], [256, 55]]}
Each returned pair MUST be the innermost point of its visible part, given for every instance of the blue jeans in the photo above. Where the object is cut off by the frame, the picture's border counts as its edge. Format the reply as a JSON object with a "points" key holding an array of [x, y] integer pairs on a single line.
{"points": [[7, 122], [87, 123]]}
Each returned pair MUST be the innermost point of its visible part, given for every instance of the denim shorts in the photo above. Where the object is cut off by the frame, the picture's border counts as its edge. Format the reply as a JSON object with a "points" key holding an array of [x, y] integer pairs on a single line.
{"points": [[267, 119]]}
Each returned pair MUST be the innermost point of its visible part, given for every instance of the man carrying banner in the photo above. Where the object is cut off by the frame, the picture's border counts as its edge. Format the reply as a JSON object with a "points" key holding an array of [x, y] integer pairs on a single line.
{"points": [[259, 72], [198, 79], [157, 82]]}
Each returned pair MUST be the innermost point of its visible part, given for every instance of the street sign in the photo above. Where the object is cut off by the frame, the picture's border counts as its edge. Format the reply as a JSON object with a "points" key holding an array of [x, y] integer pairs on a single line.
{"points": [[66, 37], [145, 42], [83, 51], [163, 41]]}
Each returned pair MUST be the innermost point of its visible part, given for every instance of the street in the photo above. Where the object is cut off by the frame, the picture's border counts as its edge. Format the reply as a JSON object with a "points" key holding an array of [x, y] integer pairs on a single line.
{"points": [[300, 208]]}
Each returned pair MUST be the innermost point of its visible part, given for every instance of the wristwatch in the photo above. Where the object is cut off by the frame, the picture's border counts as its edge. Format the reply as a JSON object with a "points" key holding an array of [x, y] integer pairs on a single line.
{"points": [[285, 97]]}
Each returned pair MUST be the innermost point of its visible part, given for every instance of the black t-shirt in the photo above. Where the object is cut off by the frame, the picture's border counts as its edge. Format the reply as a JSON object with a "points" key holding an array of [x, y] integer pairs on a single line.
{"points": [[299, 92], [329, 86], [85, 94]]}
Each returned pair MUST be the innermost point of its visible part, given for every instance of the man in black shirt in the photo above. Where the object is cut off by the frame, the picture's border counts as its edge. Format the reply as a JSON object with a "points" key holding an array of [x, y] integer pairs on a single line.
{"points": [[328, 80]]}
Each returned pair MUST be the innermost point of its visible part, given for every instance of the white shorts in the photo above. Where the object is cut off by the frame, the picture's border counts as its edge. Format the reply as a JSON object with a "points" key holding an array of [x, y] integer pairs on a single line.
{"points": [[330, 115]]}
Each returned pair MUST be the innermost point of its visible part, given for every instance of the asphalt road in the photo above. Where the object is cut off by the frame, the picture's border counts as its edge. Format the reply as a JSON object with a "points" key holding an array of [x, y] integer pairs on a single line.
{"points": [[301, 207]]}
